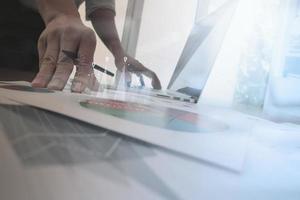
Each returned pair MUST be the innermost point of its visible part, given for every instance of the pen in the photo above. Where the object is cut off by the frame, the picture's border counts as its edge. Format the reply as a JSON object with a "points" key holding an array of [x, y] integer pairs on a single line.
{"points": [[105, 71], [74, 57]]}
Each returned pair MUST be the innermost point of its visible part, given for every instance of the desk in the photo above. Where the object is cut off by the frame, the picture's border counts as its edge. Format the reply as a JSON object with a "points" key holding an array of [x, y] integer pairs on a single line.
{"points": [[57, 158]]}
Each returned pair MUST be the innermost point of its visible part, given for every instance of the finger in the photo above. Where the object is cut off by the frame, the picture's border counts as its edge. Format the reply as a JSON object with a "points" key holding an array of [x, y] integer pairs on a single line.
{"points": [[42, 45], [64, 67], [128, 78], [138, 68], [155, 82], [118, 78], [95, 85], [141, 70], [127, 74], [84, 76], [47, 62]]}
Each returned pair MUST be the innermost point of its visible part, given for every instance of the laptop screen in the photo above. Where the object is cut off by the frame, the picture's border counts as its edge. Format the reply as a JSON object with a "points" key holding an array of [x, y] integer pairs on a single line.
{"points": [[201, 50]]}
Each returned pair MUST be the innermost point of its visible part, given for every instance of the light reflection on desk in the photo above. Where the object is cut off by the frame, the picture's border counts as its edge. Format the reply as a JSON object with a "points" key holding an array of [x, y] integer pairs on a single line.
{"points": [[42, 139]]}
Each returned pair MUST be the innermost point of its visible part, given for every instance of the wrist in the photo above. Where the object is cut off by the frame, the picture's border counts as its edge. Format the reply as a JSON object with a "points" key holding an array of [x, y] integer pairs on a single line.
{"points": [[117, 50], [51, 9], [49, 18]]}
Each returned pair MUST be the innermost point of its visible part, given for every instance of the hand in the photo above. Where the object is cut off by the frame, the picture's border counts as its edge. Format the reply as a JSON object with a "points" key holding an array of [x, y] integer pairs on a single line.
{"points": [[66, 32], [134, 66]]}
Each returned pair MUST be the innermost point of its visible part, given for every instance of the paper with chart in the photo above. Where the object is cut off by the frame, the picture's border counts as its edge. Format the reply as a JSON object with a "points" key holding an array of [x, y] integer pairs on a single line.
{"points": [[189, 133]]}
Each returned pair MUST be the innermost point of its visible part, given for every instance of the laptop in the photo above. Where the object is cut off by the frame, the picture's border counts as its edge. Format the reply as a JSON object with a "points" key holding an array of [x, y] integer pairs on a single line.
{"points": [[197, 58]]}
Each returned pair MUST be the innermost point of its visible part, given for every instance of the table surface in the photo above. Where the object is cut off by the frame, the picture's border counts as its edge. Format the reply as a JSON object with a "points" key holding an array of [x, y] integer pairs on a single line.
{"points": [[55, 157]]}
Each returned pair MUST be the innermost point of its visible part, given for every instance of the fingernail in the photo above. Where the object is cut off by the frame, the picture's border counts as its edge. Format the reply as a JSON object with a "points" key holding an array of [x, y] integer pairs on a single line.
{"points": [[77, 87], [96, 86], [37, 84], [56, 84]]}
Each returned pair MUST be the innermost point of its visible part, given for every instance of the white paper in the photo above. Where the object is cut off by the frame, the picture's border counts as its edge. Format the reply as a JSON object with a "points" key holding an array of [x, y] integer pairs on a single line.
{"points": [[224, 148]]}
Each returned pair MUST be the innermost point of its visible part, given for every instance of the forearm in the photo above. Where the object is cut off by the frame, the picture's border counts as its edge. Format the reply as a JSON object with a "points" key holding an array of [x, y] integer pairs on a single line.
{"points": [[104, 24], [103, 21], [50, 9]]}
